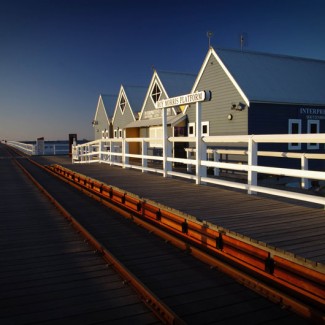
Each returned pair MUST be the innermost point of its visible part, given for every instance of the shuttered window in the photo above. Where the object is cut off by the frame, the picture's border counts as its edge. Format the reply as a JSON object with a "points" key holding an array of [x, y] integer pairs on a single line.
{"points": [[155, 133]]}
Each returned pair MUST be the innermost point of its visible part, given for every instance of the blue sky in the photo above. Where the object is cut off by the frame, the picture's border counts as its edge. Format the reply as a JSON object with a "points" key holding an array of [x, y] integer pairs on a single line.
{"points": [[57, 56]]}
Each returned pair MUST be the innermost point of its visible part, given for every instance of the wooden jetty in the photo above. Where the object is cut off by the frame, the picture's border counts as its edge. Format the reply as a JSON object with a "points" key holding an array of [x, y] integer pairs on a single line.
{"points": [[289, 226], [48, 273]]}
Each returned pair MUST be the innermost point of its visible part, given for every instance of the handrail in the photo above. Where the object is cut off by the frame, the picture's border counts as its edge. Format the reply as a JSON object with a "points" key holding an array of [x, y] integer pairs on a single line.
{"points": [[27, 148], [293, 275], [47, 149], [117, 153]]}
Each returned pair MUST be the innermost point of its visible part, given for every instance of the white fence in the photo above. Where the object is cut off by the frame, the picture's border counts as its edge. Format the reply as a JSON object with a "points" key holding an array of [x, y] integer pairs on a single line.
{"points": [[116, 152], [26, 148], [47, 148]]}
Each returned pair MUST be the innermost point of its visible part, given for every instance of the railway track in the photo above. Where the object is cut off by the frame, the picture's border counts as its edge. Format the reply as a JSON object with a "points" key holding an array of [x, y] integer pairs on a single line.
{"points": [[178, 288]]}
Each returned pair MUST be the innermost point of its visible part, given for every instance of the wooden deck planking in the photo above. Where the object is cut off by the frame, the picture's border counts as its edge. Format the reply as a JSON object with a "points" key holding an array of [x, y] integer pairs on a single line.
{"points": [[267, 219], [172, 274], [48, 273]]}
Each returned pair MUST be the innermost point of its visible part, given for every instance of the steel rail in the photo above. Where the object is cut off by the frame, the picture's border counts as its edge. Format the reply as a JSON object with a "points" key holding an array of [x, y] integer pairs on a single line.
{"points": [[161, 310], [295, 286]]}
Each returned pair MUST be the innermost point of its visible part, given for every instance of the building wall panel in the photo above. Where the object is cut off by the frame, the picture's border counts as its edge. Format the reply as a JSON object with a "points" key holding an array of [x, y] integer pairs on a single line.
{"points": [[224, 93]]}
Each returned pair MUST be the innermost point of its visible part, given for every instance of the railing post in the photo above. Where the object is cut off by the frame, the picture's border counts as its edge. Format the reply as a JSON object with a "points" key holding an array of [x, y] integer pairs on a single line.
{"points": [[200, 146], [252, 161], [110, 153], [84, 153], [216, 157], [166, 146], [305, 183], [144, 153], [90, 150], [101, 150], [188, 156], [125, 148]]}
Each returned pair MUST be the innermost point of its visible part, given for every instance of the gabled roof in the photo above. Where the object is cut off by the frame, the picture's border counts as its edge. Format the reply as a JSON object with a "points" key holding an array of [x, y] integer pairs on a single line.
{"points": [[172, 84], [176, 83], [135, 95], [109, 102], [276, 78]]}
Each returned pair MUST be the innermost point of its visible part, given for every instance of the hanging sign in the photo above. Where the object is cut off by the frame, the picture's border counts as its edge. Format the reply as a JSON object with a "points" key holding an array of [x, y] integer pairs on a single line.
{"points": [[200, 96]]}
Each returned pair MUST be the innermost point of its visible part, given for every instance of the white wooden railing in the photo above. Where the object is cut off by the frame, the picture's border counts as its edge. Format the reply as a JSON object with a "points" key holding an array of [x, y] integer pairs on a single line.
{"points": [[116, 152], [47, 149], [28, 149]]}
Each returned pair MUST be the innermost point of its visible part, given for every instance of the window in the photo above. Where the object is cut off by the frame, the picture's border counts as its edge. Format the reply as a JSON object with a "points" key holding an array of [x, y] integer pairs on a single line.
{"points": [[179, 131], [191, 129], [122, 104], [313, 127], [120, 133], [156, 93], [104, 134], [205, 128], [155, 133], [294, 128], [115, 133]]}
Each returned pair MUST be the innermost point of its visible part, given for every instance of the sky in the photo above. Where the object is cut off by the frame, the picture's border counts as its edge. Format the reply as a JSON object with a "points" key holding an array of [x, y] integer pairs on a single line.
{"points": [[58, 56]]}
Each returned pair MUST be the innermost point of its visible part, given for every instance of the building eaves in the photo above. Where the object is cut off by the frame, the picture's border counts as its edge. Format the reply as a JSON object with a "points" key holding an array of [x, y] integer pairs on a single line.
{"points": [[176, 83], [171, 120], [109, 102], [136, 96]]}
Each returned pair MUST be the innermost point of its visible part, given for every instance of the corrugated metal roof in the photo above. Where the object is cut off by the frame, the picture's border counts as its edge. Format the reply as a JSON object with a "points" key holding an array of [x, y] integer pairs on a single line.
{"points": [[135, 95], [109, 103], [171, 120], [276, 78], [176, 83]]}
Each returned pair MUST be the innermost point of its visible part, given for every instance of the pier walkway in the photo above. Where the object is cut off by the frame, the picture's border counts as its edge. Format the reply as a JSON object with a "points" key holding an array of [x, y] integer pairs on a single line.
{"points": [[48, 273], [291, 227]]}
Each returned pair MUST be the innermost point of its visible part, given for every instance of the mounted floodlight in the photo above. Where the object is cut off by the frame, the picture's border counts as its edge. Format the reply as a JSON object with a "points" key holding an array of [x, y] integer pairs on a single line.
{"points": [[241, 106], [238, 107]]}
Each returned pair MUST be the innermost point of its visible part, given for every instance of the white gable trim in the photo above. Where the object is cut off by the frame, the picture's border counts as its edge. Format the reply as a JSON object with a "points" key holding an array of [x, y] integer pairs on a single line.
{"points": [[127, 104], [230, 77], [203, 67], [117, 103], [101, 100], [155, 79], [148, 93]]}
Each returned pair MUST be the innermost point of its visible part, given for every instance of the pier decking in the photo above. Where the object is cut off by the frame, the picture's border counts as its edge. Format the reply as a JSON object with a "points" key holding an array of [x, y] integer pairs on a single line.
{"points": [[290, 226], [48, 273]]}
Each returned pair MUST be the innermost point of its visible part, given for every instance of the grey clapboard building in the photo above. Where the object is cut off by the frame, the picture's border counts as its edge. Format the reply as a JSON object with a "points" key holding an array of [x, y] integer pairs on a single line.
{"points": [[259, 93], [163, 85], [127, 109], [102, 122]]}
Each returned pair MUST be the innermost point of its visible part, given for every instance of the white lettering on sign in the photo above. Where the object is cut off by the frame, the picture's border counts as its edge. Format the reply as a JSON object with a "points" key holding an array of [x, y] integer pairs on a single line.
{"points": [[184, 100], [312, 111]]}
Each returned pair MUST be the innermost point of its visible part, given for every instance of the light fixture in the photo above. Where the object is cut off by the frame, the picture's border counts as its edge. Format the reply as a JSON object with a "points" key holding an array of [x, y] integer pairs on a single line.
{"points": [[230, 117], [238, 107], [241, 106]]}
